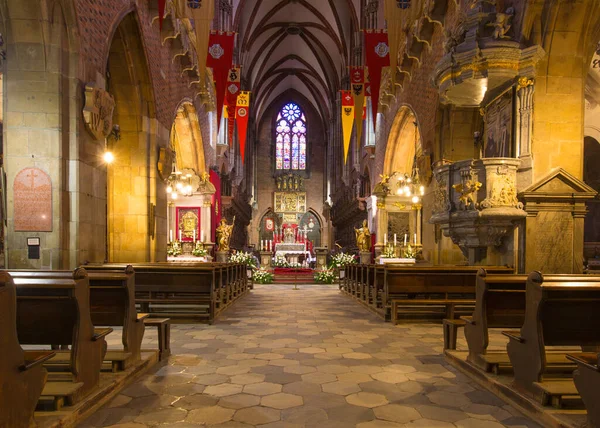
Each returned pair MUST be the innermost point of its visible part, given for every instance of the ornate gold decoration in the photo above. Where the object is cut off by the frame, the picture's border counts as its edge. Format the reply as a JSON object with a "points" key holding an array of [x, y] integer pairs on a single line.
{"points": [[188, 223], [98, 111], [363, 237], [381, 205], [290, 182], [399, 205], [223, 233], [467, 189], [290, 202], [524, 82]]}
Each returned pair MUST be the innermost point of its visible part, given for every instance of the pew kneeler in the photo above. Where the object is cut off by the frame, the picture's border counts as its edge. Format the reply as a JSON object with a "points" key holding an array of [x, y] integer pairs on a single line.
{"points": [[451, 327], [164, 335]]}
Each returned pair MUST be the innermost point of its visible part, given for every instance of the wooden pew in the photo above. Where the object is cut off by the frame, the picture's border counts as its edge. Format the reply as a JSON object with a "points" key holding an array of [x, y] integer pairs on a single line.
{"points": [[22, 375], [179, 289], [424, 289], [56, 311], [112, 304], [587, 381], [561, 310], [112, 300], [499, 303]]}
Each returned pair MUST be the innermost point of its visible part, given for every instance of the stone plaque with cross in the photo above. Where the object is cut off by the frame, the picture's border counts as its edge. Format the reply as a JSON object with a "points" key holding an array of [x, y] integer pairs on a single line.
{"points": [[32, 201]]}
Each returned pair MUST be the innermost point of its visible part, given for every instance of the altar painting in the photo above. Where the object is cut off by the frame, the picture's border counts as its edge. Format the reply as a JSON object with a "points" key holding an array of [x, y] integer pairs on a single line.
{"points": [[290, 202], [188, 223]]}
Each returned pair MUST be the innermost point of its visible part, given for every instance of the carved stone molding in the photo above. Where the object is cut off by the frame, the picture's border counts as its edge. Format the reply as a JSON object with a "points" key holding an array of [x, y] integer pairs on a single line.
{"points": [[98, 111], [475, 201], [481, 56]]}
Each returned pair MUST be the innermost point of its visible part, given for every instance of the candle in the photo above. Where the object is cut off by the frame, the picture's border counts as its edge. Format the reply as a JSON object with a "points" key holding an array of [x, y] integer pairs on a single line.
{"points": [[180, 234], [194, 236], [202, 236], [395, 240], [385, 239], [271, 245], [171, 235], [405, 236], [415, 239]]}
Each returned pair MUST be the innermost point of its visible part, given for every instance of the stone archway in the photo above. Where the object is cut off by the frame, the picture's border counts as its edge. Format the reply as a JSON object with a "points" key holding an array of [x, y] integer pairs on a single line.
{"points": [[134, 188], [400, 148]]}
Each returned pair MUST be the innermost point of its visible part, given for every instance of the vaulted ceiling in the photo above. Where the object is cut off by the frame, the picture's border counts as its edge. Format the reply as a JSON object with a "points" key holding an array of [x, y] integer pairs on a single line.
{"points": [[295, 45]]}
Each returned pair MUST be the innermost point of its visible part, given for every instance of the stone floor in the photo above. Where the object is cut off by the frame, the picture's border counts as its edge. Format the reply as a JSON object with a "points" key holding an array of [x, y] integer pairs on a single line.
{"points": [[308, 358]]}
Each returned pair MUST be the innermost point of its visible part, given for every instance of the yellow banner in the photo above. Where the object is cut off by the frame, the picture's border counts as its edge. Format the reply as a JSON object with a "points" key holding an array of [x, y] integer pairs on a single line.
{"points": [[347, 121]]}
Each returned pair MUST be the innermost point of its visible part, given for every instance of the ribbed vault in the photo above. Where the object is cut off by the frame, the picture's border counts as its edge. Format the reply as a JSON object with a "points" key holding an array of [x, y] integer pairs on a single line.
{"points": [[299, 45]]}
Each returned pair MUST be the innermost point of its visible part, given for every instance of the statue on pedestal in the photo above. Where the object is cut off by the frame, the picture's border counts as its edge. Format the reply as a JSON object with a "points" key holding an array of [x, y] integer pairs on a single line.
{"points": [[363, 237], [224, 234]]}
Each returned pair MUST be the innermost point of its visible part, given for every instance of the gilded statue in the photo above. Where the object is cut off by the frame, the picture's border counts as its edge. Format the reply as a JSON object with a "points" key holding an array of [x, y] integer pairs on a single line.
{"points": [[467, 190], [224, 234], [363, 237]]}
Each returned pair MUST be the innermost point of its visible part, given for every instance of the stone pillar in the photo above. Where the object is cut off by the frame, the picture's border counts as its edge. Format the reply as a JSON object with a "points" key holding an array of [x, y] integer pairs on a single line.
{"points": [[222, 256], [524, 125], [321, 253], [365, 257]]}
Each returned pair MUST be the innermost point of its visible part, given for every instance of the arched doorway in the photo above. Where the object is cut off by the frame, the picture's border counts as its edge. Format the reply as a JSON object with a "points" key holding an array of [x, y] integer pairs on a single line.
{"points": [[133, 185]]}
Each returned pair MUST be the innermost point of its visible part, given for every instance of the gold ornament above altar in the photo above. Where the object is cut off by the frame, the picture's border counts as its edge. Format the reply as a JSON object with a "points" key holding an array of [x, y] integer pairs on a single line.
{"points": [[290, 182]]}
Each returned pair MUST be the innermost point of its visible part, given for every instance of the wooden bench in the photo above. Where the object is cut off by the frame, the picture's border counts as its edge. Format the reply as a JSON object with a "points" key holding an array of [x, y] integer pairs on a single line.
{"points": [[587, 381], [112, 304], [426, 291], [56, 311], [22, 374], [112, 301], [185, 290], [499, 303], [561, 310]]}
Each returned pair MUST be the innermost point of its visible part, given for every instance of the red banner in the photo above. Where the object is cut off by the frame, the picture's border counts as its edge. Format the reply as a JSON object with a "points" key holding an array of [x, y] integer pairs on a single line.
{"points": [[231, 94], [242, 111], [357, 83], [215, 204], [219, 57], [161, 13], [377, 54]]}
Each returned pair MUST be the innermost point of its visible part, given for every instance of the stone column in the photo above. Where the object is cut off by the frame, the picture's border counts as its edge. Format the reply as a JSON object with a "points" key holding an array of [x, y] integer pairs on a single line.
{"points": [[524, 125]]}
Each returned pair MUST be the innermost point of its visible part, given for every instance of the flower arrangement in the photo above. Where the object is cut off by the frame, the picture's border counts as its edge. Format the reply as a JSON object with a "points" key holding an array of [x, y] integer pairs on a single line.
{"points": [[280, 261], [263, 276], [340, 260], [174, 249], [410, 252], [325, 276], [199, 250], [388, 252], [244, 258]]}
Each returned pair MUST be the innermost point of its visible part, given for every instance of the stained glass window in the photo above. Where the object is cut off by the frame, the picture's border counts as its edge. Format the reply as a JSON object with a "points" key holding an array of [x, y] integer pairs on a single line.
{"points": [[290, 138]]}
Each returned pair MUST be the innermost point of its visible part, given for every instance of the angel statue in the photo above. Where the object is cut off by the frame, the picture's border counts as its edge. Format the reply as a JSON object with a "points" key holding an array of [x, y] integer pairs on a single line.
{"points": [[224, 234], [363, 238]]}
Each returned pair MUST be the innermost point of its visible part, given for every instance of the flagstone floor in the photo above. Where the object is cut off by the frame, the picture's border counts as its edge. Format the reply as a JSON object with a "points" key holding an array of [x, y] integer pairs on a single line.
{"points": [[307, 358]]}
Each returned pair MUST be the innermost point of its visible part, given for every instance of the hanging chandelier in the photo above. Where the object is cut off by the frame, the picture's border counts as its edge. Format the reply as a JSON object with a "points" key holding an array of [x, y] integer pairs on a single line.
{"points": [[410, 185], [179, 184]]}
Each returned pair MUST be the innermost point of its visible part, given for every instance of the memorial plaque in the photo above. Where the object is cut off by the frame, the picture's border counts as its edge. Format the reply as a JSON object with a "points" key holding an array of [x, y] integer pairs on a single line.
{"points": [[33, 201]]}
